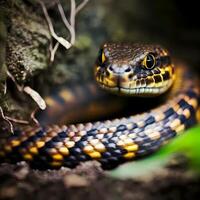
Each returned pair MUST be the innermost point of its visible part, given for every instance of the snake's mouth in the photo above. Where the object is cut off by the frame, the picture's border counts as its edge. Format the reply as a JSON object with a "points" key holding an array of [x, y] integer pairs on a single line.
{"points": [[137, 91], [133, 87]]}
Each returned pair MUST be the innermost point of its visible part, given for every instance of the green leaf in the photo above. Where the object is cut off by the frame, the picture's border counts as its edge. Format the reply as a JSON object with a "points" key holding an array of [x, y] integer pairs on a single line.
{"points": [[187, 144]]}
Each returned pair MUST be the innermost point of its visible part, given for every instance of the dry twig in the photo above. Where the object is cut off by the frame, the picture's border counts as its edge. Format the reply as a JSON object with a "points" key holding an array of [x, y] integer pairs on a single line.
{"points": [[31, 92], [61, 40], [7, 120], [34, 118], [35, 96], [69, 24], [81, 6], [53, 50], [19, 121]]}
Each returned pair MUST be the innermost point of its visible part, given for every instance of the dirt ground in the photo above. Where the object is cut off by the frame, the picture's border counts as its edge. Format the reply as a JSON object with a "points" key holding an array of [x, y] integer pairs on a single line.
{"points": [[91, 182]]}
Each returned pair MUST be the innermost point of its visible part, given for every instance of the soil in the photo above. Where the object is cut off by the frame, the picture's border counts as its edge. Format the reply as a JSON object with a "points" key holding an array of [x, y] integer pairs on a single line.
{"points": [[91, 182]]}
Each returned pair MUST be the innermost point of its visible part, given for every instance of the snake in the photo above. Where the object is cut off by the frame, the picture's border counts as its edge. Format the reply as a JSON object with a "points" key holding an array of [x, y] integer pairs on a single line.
{"points": [[145, 71]]}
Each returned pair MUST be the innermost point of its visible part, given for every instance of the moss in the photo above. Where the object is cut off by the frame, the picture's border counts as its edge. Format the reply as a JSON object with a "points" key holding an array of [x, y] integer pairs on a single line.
{"points": [[27, 44], [24, 44]]}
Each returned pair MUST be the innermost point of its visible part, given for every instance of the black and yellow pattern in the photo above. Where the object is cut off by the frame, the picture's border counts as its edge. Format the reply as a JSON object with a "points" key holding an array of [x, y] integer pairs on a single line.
{"points": [[134, 69], [111, 142]]}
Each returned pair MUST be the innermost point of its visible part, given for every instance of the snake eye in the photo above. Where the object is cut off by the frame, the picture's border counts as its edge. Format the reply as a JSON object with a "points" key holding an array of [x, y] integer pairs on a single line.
{"points": [[149, 61], [101, 57]]}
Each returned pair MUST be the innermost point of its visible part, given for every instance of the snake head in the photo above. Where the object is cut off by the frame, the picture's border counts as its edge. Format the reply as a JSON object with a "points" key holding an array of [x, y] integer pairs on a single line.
{"points": [[134, 69]]}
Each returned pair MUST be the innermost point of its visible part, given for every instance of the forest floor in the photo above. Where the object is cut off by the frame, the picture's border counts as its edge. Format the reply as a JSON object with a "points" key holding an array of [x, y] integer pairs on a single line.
{"points": [[91, 182]]}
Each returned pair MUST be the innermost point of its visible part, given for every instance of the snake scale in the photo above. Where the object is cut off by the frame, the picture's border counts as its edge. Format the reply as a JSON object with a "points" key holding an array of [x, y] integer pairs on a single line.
{"points": [[126, 69]]}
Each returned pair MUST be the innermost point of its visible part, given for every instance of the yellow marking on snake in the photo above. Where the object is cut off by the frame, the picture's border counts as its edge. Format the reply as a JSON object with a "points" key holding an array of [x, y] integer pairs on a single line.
{"points": [[64, 151], [28, 156], [57, 157], [15, 143], [129, 155], [95, 155], [55, 164], [88, 149], [67, 95], [50, 102], [100, 147], [40, 144], [133, 147], [33, 150]]}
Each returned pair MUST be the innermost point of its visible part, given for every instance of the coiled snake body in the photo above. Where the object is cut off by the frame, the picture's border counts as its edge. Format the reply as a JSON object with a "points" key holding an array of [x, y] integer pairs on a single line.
{"points": [[126, 69]]}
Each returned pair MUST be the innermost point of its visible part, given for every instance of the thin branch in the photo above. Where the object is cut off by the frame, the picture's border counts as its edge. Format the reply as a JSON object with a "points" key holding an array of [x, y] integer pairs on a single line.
{"points": [[71, 25], [62, 13], [34, 118], [81, 6], [72, 20], [67, 24], [19, 121], [53, 51], [36, 97], [7, 120], [61, 40], [72, 13], [28, 90], [20, 88]]}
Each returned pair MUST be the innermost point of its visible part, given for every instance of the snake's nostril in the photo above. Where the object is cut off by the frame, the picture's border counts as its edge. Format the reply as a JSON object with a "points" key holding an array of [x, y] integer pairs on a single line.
{"points": [[111, 68], [130, 76], [128, 69]]}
